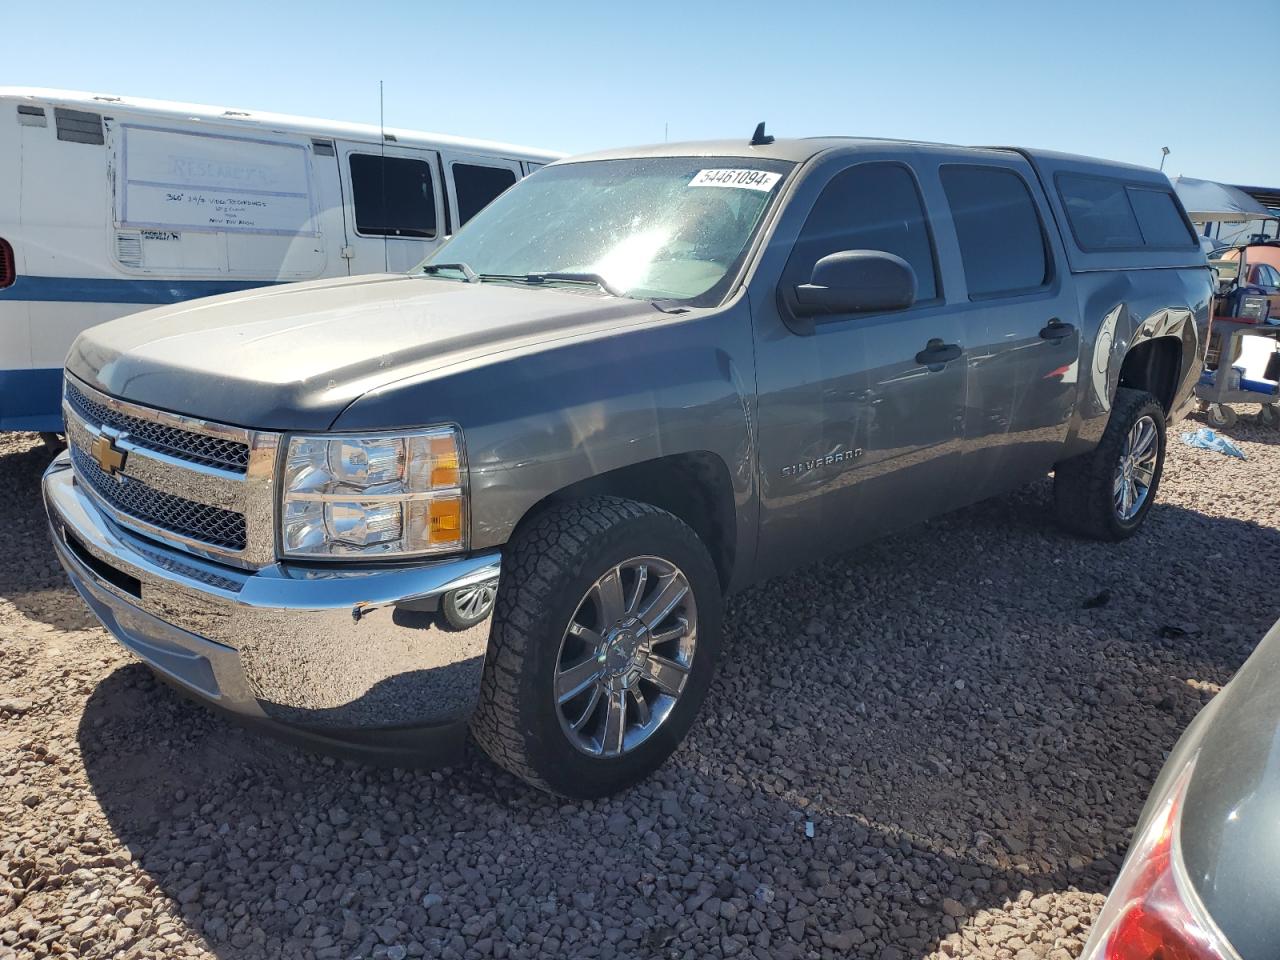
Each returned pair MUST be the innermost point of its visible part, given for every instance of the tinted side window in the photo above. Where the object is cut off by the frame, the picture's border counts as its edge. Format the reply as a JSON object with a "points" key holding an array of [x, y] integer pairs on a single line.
{"points": [[1002, 243], [873, 206], [1159, 219], [393, 196], [476, 186], [1099, 212]]}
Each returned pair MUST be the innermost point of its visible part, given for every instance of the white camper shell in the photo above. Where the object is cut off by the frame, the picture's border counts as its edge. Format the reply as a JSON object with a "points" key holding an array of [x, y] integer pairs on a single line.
{"points": [[112, 204]]}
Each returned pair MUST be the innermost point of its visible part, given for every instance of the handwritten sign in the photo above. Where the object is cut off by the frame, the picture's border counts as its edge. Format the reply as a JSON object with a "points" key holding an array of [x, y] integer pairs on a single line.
{"points": [[176, 180]]}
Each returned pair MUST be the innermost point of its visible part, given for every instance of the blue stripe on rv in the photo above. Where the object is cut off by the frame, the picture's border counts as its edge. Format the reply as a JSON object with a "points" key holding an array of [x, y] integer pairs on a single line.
{"points": [[31, 400], [114, 290]]}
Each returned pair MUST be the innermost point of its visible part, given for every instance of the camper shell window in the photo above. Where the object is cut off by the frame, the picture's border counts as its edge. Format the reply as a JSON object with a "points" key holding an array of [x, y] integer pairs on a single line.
{"points": [[1107, 214], [393, 196]]}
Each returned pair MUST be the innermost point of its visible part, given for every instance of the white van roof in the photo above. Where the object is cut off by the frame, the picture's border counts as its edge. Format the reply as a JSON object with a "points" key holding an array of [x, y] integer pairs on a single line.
{"points": [[260, 119]]}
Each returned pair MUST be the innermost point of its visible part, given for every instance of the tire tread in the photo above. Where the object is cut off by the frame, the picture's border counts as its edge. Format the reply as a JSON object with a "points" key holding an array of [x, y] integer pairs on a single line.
{"points": [[538, 559]]}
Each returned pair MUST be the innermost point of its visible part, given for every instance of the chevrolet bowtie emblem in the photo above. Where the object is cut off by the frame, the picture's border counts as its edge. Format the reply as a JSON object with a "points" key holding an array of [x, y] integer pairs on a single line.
{"points": [[109, 458]]}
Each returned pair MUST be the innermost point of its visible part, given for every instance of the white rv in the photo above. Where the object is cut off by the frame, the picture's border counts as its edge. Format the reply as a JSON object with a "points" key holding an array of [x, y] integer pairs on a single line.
{"points": [[111, 204]]}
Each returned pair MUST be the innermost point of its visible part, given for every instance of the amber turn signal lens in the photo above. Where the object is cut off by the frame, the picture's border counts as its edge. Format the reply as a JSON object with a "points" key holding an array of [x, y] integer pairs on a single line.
{"points": [[444, 462], [444, 520]]}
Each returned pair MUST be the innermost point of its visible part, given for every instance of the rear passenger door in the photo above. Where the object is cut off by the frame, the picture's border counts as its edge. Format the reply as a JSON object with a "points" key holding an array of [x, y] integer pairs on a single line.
{"points": [[394, 208], [476, 182], [1019, 319]]}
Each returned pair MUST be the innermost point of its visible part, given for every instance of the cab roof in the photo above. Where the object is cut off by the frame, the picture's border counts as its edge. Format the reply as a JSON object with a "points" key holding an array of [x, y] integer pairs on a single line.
{"points": [[801, 149]]}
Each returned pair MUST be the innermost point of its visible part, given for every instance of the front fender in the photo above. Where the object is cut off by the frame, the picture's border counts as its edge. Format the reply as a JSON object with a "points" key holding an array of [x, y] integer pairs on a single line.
{"points": [[541, 421]]}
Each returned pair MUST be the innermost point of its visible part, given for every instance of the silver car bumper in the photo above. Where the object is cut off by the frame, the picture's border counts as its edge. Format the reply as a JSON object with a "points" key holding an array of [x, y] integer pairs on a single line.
{"points": [[350, 658]]}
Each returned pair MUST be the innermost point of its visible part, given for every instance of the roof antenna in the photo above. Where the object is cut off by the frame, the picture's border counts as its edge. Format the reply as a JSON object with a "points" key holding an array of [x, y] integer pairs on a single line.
{"points": [[760, 138], [382, 177]]}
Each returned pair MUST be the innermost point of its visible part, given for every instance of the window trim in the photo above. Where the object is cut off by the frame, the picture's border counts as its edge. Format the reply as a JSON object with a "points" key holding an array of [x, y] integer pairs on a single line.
{"points": [[1125, 185], [939, 296], [1050, 259], [355, 217]]}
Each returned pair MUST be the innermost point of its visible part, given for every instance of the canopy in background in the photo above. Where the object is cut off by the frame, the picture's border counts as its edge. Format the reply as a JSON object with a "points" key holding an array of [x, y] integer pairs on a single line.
{"points": [[1210, 202]]}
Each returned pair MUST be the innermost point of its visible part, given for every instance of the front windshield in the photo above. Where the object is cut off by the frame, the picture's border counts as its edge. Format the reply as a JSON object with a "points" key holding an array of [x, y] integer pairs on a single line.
{"points": [[663, 228]]}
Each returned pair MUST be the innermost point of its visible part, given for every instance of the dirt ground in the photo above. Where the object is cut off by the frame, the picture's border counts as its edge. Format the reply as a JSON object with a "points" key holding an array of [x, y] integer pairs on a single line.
{"points": [[935, 747]]}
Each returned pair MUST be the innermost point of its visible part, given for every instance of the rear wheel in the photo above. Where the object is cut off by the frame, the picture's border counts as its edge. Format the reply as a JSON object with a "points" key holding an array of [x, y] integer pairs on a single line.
{"points": [[604, 642], [1107, 493]]}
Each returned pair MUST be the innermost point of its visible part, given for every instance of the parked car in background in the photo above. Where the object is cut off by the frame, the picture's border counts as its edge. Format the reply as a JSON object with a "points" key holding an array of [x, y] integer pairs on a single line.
{"points": [[113, 204], [1249, 281], [1200, 881], [632, 383]]}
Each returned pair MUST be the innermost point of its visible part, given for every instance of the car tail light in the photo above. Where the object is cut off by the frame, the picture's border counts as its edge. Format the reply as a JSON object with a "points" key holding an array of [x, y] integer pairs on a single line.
{"points": [[8, 273], [1152, 912]]}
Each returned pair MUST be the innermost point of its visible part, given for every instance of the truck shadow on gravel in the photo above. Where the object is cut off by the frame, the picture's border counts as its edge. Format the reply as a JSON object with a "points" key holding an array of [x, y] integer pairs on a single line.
{"points": [[966, 714], [30, 576]]}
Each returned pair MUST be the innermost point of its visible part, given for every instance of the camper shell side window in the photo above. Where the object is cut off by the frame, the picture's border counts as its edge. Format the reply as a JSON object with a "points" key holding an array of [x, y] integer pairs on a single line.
{"points": [[1109, 214]]}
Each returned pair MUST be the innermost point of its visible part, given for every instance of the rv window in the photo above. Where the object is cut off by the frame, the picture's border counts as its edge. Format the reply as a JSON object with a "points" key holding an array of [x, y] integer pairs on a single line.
{"points": [[1099, 211], [1159, 219], [476, 186], [393, 196], [1001, 241]]}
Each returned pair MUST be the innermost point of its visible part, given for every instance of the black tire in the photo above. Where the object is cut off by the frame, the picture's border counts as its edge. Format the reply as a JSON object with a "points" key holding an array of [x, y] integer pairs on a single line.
{"points": [[547, 569], [1083, 486], [463, 609]]}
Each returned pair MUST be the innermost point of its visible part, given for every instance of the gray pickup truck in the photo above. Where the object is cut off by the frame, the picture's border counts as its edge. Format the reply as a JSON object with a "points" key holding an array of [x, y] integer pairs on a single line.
{"points": [[507, 493]]}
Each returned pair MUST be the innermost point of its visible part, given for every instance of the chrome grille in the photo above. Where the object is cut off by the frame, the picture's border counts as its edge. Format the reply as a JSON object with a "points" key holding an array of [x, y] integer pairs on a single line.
{"points": [[183, 444], [199, 521]]}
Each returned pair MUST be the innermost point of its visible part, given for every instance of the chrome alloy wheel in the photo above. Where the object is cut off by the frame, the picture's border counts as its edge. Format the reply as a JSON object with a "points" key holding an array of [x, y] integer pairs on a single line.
{"points": [[475, 603], [625, 657], [1136, 469]]}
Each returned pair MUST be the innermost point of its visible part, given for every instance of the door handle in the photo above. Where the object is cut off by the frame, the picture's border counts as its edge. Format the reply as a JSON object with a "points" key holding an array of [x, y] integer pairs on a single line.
{"points": [[1055, 329], [936, 353]]}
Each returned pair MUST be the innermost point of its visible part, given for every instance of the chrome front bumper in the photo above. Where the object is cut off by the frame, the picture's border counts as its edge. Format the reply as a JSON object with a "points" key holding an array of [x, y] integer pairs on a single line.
{"points": [[351, 658]]}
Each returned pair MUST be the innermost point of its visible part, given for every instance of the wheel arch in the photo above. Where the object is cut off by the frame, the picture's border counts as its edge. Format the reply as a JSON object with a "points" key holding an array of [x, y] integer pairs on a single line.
{"points": [[1156, 366], [695, 487]]}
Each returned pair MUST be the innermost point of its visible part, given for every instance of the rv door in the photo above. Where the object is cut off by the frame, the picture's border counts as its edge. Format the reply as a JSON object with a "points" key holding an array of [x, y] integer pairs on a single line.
{"points": [[394, 211]]}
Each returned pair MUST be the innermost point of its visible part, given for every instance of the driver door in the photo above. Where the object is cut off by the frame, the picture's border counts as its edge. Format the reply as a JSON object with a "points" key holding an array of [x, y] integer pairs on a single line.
{"points": [[860, 426]]}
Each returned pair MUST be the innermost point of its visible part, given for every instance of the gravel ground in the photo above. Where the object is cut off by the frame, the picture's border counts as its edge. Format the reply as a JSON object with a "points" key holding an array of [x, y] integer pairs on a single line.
{"points": [[935, 748]]}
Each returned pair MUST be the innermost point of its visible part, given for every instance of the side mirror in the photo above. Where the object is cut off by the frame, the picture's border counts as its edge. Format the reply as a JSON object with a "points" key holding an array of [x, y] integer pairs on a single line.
{"points": [[856, 281]]}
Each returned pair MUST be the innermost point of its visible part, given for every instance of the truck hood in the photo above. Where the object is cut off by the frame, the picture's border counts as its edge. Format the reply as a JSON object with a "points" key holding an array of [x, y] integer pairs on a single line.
{"points": [[292, 357]]}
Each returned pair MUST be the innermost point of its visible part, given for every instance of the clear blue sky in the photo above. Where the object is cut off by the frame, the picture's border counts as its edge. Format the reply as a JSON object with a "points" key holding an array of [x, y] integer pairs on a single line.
{"points": [[1117, 79]]}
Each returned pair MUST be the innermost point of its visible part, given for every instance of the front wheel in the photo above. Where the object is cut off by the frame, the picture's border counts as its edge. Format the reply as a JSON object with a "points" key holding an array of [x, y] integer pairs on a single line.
{"points": [[605, 638], [1107, 493]]}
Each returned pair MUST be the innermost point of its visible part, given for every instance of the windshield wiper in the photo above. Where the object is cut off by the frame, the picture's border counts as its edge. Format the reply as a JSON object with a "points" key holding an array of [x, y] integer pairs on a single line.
{"points": [[462, 268], [593, 278]]}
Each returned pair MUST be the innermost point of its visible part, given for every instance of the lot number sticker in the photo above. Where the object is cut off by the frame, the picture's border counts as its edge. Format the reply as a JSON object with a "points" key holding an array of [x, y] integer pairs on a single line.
{"points": [[742, 179]]}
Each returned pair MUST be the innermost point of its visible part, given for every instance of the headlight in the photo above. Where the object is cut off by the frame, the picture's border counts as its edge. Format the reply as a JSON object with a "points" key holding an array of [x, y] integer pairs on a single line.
{"points": [[389, 495]]}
